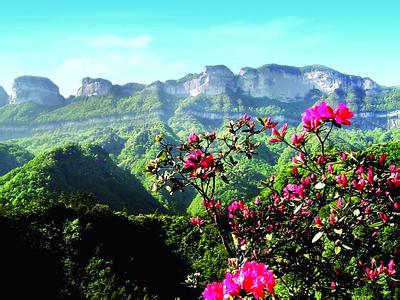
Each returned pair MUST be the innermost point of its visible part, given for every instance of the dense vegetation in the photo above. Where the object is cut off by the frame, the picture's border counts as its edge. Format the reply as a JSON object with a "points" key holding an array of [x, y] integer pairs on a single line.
{"points": [[69, 215], [90, 252], [75, 169], [12, 156]]}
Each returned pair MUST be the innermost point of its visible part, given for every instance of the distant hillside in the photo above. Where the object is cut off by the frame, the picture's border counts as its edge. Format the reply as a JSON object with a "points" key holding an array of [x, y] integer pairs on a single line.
{"points": [[72, 169], [12, 156]]}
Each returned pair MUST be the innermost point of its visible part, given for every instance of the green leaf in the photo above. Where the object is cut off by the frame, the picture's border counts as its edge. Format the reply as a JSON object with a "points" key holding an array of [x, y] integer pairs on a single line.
{"points": [[346, 247], [338, 231], [317, 236], [376, 224], [269, 236], [338, 249], [319, 186], [298, 208], [356, 212]]}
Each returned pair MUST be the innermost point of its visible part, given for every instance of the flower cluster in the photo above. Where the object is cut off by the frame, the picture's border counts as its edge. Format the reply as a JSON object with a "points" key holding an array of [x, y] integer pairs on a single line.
{"points": [[252, 278], [311, 225], [374, 273], [200, 164], [315, 116]]}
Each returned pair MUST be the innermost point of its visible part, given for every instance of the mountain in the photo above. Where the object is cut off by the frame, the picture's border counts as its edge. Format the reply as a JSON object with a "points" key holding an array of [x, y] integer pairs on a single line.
{"points": [[3, 96], [72, 169], [12, 156], [278, 82], [102, 87], [36, 89]]}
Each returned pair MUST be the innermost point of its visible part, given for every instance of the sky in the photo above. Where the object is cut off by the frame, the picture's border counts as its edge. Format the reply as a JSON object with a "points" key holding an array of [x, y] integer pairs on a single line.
{"points": [[143, 41]]}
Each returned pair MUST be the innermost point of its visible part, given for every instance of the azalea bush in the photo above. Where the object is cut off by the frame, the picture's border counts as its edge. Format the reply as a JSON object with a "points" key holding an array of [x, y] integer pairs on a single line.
{"points": [[333, 229]]}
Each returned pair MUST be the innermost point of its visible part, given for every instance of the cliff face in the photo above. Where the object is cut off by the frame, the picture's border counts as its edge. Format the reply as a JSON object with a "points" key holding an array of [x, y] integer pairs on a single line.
{"points": [[102, 87], [3, 96], [282, 83], [94, 87], [40, 90]]}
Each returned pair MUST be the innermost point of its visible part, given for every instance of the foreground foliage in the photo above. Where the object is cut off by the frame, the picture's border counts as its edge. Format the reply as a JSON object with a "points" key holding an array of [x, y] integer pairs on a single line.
{"points": [[332, 230]]}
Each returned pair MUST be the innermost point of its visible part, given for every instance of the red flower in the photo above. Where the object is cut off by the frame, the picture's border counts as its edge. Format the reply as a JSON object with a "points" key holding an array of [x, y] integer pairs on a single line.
{"points": [[371, 274], [318, 222], [298, 139], [269, 124], [313, 117], [200, 164], [279, 135], [193, 138], [214, 291], [342, 180], [390, 269], [197, 221], [343, 114]]}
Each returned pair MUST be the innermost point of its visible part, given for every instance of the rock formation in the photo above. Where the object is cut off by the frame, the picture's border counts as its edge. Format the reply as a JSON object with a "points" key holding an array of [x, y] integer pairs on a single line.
{"points": [[283, 83], [94, 87], [3, 96], [40, 90], [102, 87]]}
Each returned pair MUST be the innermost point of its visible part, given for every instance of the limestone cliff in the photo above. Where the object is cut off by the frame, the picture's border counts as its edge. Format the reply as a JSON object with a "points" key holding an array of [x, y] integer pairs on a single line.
{"points": [[283, 83], [36, 89], [3, 96]]}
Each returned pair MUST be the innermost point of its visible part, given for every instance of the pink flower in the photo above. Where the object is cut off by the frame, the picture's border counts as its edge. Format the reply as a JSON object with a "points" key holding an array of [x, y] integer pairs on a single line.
{"points": [[342, 180], [245, 118], [343, 155], [339, 203], [318, 222], [343, 114], [269, 124], [313, 117], [193, 138], [383, 217], [371, 274], [279, 135], [382, 158], [359, 186], [292, 191], [231, 288], [390, 269], [298, 138], [254, 278], [333, 284], [214, 291], [212, 135], [330, 168], [200, 164], [370, 175], [197, 221]]}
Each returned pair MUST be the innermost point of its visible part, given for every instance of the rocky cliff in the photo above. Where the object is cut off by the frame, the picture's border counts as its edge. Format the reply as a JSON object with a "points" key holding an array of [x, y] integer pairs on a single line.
{"points": [[102, 87], [283, 83], [3, 96], [40, 90]]}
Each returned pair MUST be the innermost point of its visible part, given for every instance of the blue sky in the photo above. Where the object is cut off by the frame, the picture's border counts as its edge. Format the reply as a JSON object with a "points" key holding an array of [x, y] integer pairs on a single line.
{"points": [[142, 41]]}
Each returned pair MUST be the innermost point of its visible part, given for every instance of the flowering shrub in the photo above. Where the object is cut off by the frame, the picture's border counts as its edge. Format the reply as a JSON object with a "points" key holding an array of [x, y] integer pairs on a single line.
{"points": [[252, 279], [338, 211]]}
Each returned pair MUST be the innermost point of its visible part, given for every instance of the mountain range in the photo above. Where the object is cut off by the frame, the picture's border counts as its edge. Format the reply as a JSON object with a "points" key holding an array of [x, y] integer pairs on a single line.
{"points": [[256, 88]]}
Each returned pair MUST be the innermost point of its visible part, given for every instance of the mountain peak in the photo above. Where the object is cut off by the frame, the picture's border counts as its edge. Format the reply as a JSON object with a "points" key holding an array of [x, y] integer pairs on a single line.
{"points": [[36, 89], [3, 96], [94, 87]]}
